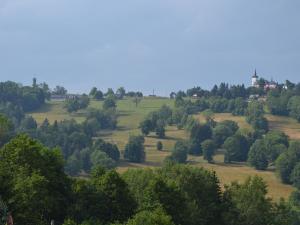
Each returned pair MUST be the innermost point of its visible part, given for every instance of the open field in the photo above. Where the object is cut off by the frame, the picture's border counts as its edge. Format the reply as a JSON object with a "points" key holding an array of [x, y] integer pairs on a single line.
{"points": [[288, 125], [228, 173], [55, 111], [218, 117], [128, 122]]}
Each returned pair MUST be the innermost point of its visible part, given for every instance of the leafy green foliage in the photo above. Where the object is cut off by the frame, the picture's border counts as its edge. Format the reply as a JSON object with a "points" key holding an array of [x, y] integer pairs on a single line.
{"points": [[3, 212], [134, 150], [110, 149], [250, 202], [255, 117], [257, 156], [103, 199], [6, 129], [33, 181], [96, 94], [59, 90], [208, 149], [14, 112], [294, 107], [179, 153], [277, 102], [77, 103], [121, 92], [109, 103], [295, 176], [189, 195], [160, 130], [28, 124], [156, 121], [26, 97], [155, 217], [223, 130], [198, 134], [118, 201], [236, 149], [287, 161], [99, 158]]}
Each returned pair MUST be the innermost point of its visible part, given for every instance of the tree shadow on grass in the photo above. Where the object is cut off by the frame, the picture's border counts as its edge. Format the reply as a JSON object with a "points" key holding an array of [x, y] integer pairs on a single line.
{"points": [[165, 138], [123, 128], [149, 146], [105, 133], [125, 113], [44, 109], [132, 165], [232, 164]]}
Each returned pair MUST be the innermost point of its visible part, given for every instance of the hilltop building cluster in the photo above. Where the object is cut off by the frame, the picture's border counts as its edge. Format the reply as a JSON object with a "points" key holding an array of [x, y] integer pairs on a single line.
{"points": [[260, 82]]}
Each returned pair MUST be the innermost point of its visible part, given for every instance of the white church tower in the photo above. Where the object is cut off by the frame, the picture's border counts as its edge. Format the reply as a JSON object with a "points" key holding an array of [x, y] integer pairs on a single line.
{"points": [[254, 79]]}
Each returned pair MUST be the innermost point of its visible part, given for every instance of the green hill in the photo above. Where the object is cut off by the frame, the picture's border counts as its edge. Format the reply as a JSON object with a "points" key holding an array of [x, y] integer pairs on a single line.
{"points": [[128, 124]]}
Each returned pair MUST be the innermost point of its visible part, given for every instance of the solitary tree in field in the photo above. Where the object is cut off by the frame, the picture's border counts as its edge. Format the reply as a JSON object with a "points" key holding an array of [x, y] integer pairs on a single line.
{"points": [[146, 127], [134, 150], [137, 101], [159, 145], [208, 149], [179, 153], [160, 130], [121, 93]]}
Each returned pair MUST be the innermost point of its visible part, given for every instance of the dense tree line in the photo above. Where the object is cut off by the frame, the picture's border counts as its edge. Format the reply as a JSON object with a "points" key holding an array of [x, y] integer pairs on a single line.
{"points": [[255, 117], [285, 102], [156, 121], [97, 94], [267, 149], [75, 140], [223, 90], [237, 106], [26, 97], [76, 103], [35, 189]]}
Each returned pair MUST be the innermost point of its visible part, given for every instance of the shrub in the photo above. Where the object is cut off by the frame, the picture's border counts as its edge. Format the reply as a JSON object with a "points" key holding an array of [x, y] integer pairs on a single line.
{"points": [[159, 146]]}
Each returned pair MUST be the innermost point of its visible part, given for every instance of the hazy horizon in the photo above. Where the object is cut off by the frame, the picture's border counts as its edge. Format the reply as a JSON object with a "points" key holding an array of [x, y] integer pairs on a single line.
{"points": [[148, 44]]}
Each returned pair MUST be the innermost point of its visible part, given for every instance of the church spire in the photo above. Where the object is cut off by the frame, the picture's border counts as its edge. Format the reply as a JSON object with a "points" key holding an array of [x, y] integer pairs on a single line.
{"points": [[255, 74]]}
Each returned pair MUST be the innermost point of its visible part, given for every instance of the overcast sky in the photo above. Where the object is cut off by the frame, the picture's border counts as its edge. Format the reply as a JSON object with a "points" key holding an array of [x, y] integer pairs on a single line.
{"points": [[148, 44]]}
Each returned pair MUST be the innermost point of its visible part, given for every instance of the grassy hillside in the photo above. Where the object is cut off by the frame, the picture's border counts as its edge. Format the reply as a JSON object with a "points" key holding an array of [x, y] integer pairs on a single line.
{"points": [[288, 125], [128, 122]]}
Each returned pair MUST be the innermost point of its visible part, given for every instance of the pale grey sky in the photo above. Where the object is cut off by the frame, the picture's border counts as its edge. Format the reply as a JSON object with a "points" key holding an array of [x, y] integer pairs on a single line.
{"points": [[148, 44]]}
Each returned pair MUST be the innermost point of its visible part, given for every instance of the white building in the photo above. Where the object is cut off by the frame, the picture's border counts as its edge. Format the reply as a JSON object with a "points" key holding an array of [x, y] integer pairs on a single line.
{"points": [[267, 84], [254, 81]]}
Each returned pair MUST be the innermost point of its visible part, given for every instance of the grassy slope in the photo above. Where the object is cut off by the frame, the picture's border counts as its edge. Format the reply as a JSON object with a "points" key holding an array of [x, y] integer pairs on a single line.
{"points": [[130, 117], [288, 125], [228, 173]]}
